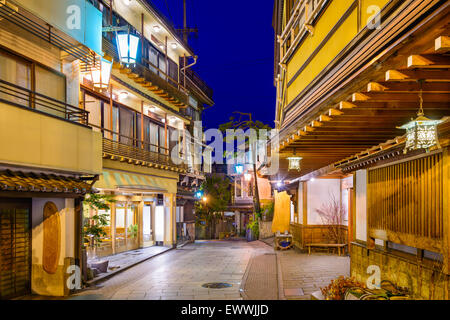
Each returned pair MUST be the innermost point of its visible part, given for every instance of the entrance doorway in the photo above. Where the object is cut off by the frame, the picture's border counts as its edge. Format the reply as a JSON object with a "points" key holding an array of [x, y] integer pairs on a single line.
{"points": [[15, 248], [147, 225]]}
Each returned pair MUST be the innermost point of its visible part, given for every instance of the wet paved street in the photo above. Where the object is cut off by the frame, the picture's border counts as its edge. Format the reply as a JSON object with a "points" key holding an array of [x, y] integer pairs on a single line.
{"points": [[179, 274]]}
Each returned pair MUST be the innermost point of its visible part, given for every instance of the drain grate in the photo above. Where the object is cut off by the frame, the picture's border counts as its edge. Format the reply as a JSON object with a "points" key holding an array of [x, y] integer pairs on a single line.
{"points": [[217, 285]]}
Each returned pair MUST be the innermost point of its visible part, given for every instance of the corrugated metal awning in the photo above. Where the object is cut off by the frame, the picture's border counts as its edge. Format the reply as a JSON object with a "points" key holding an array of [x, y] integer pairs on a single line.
{"points": [[122, 181]]}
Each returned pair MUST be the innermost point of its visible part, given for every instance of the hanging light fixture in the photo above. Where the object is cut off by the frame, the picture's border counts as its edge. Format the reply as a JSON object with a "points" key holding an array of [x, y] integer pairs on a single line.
{"points": [[421, 133], [295, 163], [101, 76], [127, 46], [239, 168]]}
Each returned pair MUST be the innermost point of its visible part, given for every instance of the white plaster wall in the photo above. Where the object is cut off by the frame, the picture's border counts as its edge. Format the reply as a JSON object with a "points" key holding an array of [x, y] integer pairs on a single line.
{"points": [[300, 203], [319, 193], [361, 205]]}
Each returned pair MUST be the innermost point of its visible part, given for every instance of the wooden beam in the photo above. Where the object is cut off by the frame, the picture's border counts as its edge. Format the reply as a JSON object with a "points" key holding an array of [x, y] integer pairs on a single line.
{"points": [[414, 75], [376, 87], [359, 97], [346, 105], [408, 87], [428, 61], [442, 44], [406, 96], [334, 112]]}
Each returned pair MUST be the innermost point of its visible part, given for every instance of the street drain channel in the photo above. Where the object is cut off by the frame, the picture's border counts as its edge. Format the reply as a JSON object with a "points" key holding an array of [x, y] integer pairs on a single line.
{"points": [[217, 285]]}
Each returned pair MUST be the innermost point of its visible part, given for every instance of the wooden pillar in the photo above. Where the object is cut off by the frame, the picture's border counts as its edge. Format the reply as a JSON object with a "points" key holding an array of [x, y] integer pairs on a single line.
{"points": [[140, 223], [165, 133], [350, 217], [111, 103], [152, 215], [142, 124], [305, 203], [370, 241], [446, 213], [305, 210], [113, 227]]}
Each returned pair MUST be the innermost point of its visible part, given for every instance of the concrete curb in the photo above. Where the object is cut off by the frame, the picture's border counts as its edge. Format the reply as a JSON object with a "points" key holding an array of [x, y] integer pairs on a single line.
{"points": [[111, 274], [281, 295], [244, 279]]}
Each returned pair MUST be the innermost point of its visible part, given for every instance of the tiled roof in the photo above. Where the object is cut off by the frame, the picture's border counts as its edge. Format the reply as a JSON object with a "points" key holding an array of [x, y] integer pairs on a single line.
{"points": [[40, 182]]}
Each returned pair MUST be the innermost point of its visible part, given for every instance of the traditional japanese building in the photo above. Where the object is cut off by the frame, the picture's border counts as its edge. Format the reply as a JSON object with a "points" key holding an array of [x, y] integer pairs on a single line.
{"points": [[49, 156], [350, 76], [149, 116], [95, 97]]}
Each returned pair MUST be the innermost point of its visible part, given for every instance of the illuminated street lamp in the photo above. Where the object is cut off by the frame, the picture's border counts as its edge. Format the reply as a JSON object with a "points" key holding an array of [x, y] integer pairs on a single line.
{"points": [[248, 177], [205, 199], [127, 46], [421, 133], [102, 75]]}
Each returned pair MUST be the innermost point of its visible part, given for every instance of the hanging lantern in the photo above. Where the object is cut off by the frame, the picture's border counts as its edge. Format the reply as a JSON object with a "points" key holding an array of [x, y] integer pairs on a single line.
{"points": [[239, 168], [295, 163], [127, 46], [248, 177], [102, 75], [421, 133]]}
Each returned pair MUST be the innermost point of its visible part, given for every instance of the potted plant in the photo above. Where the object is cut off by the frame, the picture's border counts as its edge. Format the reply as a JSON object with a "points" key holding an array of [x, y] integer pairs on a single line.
{"points": [[94, 226]]}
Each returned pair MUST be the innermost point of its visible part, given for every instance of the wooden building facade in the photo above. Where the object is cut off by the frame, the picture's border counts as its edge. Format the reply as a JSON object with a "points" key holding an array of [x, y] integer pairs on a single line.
{"points": [[349, 74]]}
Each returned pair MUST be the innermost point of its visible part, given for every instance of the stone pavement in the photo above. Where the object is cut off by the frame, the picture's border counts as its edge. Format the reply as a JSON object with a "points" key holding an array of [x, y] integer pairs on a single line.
{"points": [[261, 280], [303, 274], [125, 260], [179, 274]]}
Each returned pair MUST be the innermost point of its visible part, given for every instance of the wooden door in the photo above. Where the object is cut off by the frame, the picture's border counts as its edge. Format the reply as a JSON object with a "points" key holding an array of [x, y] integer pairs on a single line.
{"points": [[15, 249]]}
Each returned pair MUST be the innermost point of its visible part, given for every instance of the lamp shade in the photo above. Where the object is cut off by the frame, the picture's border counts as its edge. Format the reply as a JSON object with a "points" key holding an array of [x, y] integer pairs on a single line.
{"points": [[421, 133], [295, 163], [127, 46], [102, 75], [239, 169]]}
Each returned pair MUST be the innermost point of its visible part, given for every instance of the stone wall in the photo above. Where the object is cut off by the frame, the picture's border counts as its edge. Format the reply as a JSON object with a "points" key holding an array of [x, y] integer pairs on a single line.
{"points": [[422, 278], [265, 229]]}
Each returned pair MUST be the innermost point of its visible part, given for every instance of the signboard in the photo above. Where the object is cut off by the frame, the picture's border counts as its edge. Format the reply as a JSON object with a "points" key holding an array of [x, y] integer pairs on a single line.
{"points": [[76, 18]]}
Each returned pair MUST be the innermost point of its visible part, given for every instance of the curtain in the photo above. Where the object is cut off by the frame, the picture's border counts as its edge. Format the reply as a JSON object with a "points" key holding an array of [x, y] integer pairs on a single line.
{"points": [[162, 143], [153, 58], [51, 85], [16, 72], [94, 107], [154, 128], [126, 128], [162, 66]]}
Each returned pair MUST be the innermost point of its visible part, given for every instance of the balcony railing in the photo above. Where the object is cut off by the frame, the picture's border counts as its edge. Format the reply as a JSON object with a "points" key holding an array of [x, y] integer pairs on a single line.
{"points": [[13, 94], [194, 82], [121, 146], [152, 74]]}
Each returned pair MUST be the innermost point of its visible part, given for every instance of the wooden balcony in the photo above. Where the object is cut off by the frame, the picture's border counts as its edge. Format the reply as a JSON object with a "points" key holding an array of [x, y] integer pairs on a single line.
{"points": [[142, 154], [25, 98]]}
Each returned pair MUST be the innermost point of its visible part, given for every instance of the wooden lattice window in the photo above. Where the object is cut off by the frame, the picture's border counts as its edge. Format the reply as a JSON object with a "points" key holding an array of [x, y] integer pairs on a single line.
{"points": [[405, 203]]}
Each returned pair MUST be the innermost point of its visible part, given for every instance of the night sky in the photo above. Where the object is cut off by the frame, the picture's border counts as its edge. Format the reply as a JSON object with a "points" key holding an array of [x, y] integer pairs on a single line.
{"points": [[235, 49]]}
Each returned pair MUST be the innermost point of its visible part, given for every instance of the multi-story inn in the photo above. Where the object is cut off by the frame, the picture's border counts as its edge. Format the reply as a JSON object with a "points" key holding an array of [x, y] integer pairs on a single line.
{"points": [[92, 99], [350, 76]]}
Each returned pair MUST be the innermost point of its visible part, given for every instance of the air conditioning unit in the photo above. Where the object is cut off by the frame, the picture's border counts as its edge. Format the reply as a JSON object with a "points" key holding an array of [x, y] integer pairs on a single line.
{"points": [[8, 8]]}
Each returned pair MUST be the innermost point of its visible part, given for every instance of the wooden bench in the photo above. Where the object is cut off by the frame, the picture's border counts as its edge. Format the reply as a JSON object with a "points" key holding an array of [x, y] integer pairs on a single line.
{"points": [[326, 245]]}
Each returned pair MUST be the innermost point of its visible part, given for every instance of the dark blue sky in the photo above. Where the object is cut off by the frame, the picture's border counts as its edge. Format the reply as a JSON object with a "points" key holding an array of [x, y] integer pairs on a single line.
{"points": [[235, 49]]}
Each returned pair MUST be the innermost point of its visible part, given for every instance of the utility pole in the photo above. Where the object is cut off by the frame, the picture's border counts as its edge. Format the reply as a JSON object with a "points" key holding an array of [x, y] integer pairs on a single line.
{"points": [[186, 31]]}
